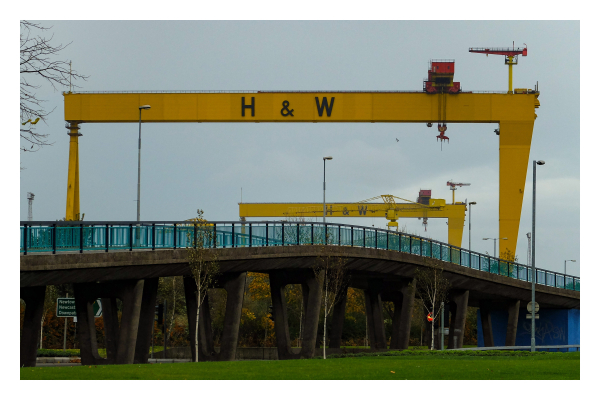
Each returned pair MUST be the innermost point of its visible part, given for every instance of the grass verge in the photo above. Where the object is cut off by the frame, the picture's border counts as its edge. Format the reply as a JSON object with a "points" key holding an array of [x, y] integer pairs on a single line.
{"points": [[415, 366]]}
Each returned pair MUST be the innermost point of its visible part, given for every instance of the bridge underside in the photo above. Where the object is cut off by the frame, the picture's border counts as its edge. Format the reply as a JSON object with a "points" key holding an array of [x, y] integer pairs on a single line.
{"points": [[383, 275], [364, 265]]}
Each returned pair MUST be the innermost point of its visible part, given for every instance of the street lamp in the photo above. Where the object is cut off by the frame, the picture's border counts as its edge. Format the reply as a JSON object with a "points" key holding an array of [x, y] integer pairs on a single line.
{"points": [[146, 107], [566, 265], [533, 274], [324, 207], [470, 204], [494, 239]]}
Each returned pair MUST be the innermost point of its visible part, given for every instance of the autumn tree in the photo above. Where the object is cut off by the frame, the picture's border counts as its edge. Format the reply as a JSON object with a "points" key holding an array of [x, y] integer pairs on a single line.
{"points": [[432, 289], [203, 262], [332, 272]]}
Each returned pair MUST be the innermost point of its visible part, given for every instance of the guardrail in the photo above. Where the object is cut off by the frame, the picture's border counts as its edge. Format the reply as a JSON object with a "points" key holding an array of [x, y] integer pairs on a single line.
{"points": [[53, 236]]}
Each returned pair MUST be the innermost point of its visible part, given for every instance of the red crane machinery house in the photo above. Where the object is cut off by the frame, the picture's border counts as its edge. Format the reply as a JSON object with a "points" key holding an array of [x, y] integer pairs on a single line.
{"points": [[440, 77]]}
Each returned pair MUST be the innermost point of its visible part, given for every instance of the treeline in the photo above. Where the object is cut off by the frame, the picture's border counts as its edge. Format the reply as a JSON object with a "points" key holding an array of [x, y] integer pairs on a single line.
{"points": [[256, 328]]}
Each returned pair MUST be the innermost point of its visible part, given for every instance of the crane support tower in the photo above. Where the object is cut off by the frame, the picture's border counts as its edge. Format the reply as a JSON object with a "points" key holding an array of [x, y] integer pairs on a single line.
{"points": [[511, 57], [424, 208]]}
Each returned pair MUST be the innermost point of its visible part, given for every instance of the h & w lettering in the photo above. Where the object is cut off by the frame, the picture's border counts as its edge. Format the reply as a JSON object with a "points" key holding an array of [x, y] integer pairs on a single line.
{"points": [[326, 105], [244, 106]]}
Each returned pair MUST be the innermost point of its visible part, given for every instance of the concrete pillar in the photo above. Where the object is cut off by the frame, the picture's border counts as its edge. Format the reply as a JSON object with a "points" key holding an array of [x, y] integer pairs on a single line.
{"points": [[86, 326], [311, 297], [206, 347], [278, 283], [146, 324], [120, 340], [32, 323], [311, 300], [376, 327], [401, 322], [486, 323], [337, 320], [459, 301], [111, 328], [513, 319], [234, 285], [130, 318]]}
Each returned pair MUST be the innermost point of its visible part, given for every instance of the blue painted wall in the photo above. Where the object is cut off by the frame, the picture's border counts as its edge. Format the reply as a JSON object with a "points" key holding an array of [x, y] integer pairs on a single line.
{"points": [[555, 327]]}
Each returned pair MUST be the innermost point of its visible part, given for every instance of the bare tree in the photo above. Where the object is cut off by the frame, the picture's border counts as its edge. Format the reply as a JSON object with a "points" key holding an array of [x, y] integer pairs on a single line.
{"points": [[332, 272], [432, 289], [38, 65], [204, 263]]}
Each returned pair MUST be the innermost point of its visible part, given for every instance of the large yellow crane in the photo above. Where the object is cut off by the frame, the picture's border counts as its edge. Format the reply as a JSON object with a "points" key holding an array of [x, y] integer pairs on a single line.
{"points": [[426, 207], [441, 100]]}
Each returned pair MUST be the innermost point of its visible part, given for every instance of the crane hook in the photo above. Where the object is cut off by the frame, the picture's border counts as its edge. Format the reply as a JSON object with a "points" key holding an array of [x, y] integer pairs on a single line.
{"points": [[442, 129]]}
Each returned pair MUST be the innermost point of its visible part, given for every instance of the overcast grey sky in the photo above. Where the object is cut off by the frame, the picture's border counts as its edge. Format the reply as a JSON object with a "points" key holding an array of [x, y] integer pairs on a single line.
{"points": [[190, 166]]}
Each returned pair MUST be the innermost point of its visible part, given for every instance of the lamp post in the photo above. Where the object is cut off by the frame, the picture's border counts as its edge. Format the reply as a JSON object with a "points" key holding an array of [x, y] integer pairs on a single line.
{"points": [[324, 207], [470, 204], [137, 236], [533, 273], [494, 239], [146, 107], [566, 265]]}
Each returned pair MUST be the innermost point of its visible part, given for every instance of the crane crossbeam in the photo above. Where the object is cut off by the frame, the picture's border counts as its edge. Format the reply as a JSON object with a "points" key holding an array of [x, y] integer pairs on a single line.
{"points": [[455, 213]]}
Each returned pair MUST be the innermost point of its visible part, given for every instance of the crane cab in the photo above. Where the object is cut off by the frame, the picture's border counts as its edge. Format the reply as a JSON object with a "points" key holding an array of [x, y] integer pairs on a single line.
{"points": [[440, 77]]}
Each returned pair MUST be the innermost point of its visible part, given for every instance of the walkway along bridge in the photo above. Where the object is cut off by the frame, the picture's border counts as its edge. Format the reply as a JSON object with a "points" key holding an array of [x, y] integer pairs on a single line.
{"points": [[124, 260]]}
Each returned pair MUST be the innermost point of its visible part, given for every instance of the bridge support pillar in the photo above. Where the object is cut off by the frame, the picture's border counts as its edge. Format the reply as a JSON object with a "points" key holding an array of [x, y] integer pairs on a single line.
{"points": [[122, 349], [32, 323], [206, 349], [234, 285], [111, 328], [459, 301], [146, 325], [486, 323], [337, 321], [311, 299], [376, 329], [513, 319], [401, 321]]}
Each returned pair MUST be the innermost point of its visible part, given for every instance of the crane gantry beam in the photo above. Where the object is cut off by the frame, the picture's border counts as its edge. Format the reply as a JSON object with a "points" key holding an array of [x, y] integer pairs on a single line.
{"points": [[515, 113]]}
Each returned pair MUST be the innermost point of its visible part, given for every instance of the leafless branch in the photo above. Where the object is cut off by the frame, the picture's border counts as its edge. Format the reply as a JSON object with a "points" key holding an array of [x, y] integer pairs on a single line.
{"points": [[37, 62]]}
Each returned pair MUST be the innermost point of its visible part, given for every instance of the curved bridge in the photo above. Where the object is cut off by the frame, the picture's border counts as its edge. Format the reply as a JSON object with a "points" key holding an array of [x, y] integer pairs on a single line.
{"points": [[112, 260]]}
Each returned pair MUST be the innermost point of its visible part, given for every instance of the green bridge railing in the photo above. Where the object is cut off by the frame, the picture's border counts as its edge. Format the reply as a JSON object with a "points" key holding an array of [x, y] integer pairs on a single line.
{"points": [[53, 236]]}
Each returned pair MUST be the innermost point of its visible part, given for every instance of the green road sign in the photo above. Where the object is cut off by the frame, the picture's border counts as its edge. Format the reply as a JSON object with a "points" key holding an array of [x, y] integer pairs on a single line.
{"points": [[65, 307]]}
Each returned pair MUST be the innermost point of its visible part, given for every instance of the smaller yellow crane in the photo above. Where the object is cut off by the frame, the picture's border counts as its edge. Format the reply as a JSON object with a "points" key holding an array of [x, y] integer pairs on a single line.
{"points": [[424, 208]]}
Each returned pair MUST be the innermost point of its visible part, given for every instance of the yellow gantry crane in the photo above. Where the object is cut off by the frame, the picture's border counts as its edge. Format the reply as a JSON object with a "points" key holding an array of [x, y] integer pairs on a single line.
{"points": [[424, 208], [441, 100]]}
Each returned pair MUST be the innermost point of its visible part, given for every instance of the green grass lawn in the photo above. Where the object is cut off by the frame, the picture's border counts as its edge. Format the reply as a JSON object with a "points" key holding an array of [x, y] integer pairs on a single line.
{"points": [[444, 366]]}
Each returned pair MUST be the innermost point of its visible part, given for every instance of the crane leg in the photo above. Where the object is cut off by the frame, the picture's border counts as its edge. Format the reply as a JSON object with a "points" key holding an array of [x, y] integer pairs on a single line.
{"points": [[455, 229], [72, 212], [515, 142]]}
